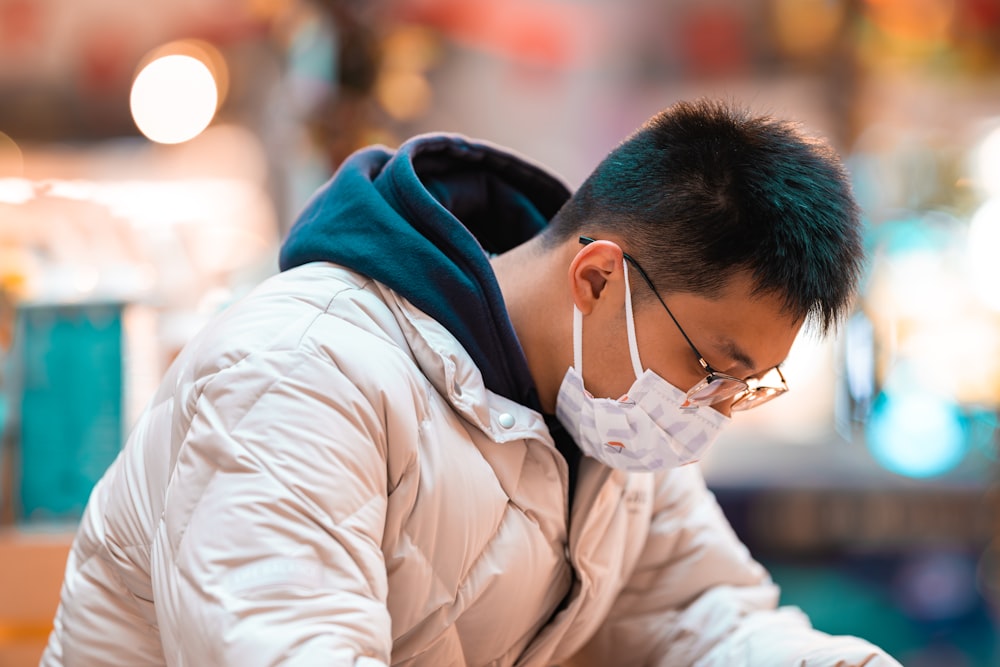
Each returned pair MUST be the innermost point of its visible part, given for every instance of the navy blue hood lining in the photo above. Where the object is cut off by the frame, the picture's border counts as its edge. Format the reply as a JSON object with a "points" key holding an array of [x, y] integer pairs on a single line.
{"points": [[423, 220]]}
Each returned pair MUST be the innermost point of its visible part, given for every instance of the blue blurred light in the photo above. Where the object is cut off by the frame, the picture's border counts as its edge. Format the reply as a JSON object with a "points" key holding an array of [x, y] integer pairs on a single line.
{"points": [[916, 433], [925, 231]]}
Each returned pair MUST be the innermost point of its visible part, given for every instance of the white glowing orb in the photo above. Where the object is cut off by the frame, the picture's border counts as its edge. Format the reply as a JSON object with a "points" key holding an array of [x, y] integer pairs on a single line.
{"points": [[174, 99], [986, 163], [983, 249]]}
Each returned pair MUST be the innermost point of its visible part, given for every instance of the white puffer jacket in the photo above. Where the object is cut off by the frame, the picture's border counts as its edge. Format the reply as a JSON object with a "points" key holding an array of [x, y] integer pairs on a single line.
{"points": [[322, 479]]}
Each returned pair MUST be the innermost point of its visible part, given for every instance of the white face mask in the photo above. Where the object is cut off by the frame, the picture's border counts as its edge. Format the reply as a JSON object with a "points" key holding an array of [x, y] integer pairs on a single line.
{"points": [[646, 429]]}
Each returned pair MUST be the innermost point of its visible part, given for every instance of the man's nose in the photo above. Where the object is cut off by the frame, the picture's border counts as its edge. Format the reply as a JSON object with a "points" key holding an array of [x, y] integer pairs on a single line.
{"points": [[724, 406]]}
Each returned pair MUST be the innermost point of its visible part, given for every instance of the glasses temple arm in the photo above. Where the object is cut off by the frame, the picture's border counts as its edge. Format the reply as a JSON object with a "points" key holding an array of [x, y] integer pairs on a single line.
{"points": [[586, 240]]}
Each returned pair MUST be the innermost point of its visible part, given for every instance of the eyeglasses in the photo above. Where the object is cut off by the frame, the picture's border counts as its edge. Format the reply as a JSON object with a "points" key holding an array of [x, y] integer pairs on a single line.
{"points": [[715, 386]]}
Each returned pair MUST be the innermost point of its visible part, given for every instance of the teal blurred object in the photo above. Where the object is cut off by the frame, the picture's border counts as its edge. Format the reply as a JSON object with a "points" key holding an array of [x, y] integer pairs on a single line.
{"points": [[924, 609], [4, 475], [68, 386]]}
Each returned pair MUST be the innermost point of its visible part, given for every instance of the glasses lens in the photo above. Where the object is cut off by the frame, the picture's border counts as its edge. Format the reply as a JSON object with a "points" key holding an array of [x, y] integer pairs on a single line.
{"points": [[715, 388], [769, 387], [754, 398]]}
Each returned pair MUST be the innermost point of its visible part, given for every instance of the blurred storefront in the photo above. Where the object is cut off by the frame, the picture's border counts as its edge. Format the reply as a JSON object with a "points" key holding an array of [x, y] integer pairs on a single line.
{"points": [[152, 156]]}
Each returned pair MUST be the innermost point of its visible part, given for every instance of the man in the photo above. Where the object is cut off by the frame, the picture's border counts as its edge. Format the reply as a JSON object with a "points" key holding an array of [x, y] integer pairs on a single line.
{"points": [[451, 433]]}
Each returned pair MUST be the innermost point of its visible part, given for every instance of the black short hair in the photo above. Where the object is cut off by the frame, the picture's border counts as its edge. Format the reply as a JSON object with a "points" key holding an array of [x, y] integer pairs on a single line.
{"points": [[706, 189]]}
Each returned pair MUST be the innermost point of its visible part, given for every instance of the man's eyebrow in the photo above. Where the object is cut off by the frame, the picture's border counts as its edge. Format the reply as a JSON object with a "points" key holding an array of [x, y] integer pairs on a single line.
{"points": [[733, 351]]}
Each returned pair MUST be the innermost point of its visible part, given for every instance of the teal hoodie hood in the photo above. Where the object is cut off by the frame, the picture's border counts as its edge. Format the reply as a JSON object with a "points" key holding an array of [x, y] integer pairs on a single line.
{"points": [[424, 220]]}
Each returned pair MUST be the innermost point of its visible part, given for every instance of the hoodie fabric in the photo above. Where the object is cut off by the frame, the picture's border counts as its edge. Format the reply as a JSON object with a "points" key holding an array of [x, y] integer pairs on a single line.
{"points": [[423, 221]]}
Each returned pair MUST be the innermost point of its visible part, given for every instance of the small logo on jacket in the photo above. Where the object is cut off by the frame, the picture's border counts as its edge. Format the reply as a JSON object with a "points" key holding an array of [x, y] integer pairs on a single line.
{"points": [[636, 500]]}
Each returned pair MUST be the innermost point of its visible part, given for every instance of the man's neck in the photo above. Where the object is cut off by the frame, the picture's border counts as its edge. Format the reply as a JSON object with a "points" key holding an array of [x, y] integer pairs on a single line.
{"points": [[533, 283]]}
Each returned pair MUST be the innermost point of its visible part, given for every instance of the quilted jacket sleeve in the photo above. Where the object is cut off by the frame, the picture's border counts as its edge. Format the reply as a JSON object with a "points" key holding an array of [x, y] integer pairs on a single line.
{"points": [[698, 599], [269, 547]]}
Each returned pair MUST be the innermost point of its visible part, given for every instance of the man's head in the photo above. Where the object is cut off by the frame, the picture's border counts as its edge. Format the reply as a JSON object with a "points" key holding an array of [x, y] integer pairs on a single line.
{"points": [[745, 228], [704, 191]]}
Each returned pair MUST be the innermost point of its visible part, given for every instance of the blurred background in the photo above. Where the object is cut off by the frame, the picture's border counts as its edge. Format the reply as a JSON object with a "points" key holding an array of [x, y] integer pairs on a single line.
{"points": [[154, 154]]}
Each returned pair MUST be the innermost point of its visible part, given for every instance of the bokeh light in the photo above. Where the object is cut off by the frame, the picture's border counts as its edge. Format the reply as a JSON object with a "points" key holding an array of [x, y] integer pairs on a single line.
{"points": [[806, 28], [916, 433], [983, 249], [174, 98], [16, 190], [912, 20], [986, 163], [402, 88]]}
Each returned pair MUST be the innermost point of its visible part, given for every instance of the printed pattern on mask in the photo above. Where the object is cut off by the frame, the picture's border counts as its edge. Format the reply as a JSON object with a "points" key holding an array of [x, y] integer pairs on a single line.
{"points": [[646, 430]]}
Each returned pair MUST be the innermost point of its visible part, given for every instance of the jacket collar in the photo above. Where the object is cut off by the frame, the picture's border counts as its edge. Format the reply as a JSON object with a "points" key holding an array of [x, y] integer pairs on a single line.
{"points": [[454, 374], [423, 220]]}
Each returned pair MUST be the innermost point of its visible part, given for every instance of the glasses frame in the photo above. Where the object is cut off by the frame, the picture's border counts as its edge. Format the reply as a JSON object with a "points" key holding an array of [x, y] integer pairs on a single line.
{"points": [[747, 397]]}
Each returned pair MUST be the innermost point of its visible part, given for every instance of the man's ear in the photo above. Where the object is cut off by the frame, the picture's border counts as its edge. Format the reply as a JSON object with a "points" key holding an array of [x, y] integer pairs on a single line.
{"points": [[593, 266]]}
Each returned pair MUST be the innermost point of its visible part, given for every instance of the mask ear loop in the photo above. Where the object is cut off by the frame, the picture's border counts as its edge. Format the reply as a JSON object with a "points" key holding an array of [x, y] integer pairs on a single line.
{"points": [[577, 340], [633, 346]]}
